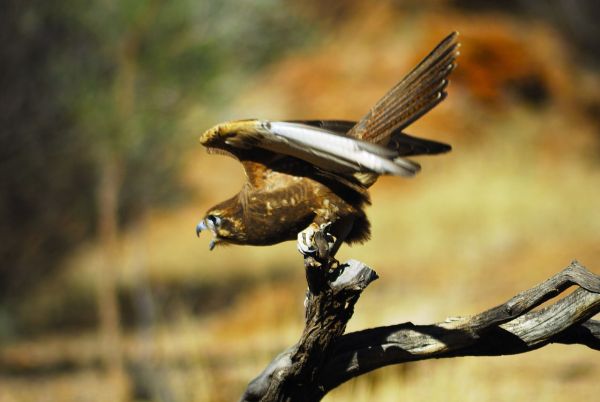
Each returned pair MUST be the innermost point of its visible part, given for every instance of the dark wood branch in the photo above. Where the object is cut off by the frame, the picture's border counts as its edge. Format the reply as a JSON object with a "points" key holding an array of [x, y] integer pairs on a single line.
{"points": [[324, 358], [332, 292]]}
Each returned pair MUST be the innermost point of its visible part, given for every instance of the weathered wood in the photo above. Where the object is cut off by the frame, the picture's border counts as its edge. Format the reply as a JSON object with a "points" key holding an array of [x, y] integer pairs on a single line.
{"points": [[324, 358], [332, 292]]}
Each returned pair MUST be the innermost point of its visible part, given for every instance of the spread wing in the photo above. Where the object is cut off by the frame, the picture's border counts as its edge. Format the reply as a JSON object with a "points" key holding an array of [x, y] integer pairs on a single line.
{"points": [[421, 90], [374, 146], [325, 149]]}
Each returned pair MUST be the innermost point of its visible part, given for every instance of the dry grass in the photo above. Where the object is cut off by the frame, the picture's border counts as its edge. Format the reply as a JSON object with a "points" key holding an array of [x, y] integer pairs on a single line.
{"points": [[554, 374]]}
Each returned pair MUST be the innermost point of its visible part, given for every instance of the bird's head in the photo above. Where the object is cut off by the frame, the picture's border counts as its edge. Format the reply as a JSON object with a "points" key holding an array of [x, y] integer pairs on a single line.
{"points": [[225, 226]]}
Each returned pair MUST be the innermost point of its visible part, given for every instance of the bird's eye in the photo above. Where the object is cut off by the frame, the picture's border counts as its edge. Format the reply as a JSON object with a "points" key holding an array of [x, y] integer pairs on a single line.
{"points": [[213, 220]]}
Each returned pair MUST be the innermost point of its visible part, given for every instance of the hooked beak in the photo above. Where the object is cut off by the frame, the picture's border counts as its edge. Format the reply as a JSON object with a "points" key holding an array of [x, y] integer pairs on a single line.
{"points": [[202, 226]]}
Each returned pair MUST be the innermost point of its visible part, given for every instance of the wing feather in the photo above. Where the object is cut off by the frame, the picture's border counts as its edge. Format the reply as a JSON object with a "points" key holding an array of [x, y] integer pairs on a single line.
{"points": [[373, 146], [421, 90], [407, 145], [219, 151], [328, 150], [333, 152], [404, 144], [337, 126]]}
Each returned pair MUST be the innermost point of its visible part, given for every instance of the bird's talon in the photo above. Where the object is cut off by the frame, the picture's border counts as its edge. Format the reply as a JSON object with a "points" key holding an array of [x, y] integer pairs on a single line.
{"points": [[316, 241], [306, 241]]}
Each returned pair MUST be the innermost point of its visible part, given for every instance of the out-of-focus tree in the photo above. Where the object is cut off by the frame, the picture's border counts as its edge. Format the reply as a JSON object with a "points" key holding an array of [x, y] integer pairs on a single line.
{"points": [[45, 173], [92, 97], [86, 83]]}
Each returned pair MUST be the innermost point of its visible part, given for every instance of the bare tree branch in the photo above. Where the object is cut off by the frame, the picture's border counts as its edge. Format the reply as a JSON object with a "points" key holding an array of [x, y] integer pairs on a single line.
{"points": [[324, 358]]}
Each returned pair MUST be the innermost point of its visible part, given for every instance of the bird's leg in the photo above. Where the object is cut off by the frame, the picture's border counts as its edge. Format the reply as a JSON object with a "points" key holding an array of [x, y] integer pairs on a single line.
{"points": [[315, 244], [322, 241]]}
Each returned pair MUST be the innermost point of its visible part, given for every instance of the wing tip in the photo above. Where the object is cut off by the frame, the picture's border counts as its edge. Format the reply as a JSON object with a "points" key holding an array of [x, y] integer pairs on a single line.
{"points": [[451, 40], [452, 36], [444, 148]]}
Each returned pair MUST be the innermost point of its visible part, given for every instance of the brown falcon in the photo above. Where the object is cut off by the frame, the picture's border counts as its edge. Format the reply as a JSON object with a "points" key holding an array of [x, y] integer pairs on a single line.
{"points": [[309, 175]]}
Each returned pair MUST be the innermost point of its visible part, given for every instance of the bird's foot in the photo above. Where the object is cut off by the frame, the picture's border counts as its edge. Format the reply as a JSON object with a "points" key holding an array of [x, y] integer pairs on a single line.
{"points": [[306, 245], [316, 241]]}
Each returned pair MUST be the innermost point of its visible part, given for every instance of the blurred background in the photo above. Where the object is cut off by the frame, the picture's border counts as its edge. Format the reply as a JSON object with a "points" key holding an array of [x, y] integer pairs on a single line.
{"points": [[106, 294]]}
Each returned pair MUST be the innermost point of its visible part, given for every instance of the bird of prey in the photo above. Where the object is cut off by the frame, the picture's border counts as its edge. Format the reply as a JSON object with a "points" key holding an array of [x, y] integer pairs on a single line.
{"points": [[305, 176]]}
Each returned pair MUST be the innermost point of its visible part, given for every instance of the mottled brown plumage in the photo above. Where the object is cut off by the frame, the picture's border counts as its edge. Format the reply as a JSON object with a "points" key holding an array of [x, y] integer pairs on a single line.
{"points": [[304, 173]]}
